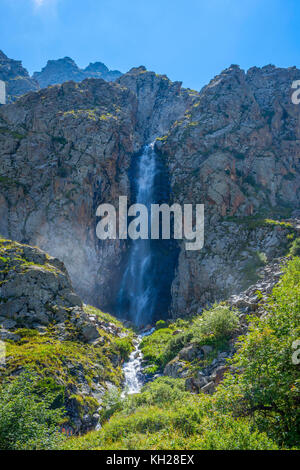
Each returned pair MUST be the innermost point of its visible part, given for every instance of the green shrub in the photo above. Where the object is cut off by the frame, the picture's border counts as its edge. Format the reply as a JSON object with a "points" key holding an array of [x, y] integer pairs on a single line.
{"points": [[27, 420], [220, 321], [111, 403], [124, 346], [295, 248], [160, 324], [267, 387]]}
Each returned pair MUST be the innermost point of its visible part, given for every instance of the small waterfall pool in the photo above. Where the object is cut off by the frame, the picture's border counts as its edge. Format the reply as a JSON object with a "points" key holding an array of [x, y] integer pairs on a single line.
{"points": [[133, 374]]}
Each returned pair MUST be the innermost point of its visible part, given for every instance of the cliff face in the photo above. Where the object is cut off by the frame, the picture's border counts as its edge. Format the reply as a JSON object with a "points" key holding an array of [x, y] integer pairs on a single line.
{"points": [[233, 147], [64, 150], [236, 150], [17, 79], [64, 70], [160, 101]]}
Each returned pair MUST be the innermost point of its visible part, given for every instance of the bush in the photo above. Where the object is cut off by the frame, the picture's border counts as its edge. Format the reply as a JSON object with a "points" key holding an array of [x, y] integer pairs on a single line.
{"points": [[267, 387], [111, 403], [160, 324], [220, 321], [295, 248], [26, 418], [124, 346]]}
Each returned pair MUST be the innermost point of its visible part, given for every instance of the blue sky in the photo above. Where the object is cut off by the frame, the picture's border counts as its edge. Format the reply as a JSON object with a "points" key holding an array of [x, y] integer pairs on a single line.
{"points": [[189, 40]]}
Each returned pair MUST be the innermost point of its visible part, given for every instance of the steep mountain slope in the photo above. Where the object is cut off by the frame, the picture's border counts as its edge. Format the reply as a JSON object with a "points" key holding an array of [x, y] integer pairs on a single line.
{"points": [[66, 149], [236, 150]]}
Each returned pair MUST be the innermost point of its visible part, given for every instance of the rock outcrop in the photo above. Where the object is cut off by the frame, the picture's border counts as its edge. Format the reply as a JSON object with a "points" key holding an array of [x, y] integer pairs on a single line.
{"points": [[47, 329], [17, 79]]}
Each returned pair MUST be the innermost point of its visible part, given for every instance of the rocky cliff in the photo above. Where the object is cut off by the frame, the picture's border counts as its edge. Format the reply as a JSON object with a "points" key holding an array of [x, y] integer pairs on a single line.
{"points": [[17, 79], [233, 147], [236, 150], [66, 149]]}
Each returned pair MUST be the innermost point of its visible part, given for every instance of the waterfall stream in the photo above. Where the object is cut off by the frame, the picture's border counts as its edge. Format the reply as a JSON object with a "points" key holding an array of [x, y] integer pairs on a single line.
{"points": [[138, 293], [133, 374]]}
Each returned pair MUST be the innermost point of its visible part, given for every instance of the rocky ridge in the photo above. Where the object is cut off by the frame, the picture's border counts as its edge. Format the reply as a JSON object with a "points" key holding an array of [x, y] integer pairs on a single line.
{"points": [[63, 70], [18, 81]]}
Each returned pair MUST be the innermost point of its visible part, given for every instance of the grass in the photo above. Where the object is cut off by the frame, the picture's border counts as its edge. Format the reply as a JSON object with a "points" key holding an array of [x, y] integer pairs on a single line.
{"points": [[213, 327], [256, 407]]}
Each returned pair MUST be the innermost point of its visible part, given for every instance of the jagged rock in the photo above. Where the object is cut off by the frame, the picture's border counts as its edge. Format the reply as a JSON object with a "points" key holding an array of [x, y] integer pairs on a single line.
{"points": [[63, 70], [218, 374], [8, 335], [230, 153], [194, 384], [36, 295], [206, 349], [17, 79]]}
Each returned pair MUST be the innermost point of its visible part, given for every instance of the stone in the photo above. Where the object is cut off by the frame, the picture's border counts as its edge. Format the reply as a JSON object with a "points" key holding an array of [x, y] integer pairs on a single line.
{"points": [[208, 388], [189, 353], [176, 369]]}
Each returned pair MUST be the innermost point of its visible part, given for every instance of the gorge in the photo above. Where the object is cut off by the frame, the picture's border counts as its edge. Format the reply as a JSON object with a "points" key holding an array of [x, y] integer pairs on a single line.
{"points": [[234, 146], [77, 310]]}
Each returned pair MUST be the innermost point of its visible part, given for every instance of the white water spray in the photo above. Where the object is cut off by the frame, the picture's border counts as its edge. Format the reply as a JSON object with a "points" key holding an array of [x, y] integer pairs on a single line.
{"points": [[138, 288]]}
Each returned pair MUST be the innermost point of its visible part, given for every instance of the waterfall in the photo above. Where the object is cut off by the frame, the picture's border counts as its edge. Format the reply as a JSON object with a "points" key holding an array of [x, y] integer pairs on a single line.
{"points": [[137, 296], [145, 290]]}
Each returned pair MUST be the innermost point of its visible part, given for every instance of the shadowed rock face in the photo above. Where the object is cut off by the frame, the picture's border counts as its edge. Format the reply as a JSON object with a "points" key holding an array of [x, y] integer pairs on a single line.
{"points": [[234, 147], [36, 291]]}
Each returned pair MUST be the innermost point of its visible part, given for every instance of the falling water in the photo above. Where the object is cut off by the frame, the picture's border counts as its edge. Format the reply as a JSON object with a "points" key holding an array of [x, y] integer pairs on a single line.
{"points": [[138, 292], [133, 374]]}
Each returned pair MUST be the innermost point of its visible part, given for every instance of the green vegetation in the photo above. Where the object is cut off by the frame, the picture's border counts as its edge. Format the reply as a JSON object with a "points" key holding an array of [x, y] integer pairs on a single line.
{"points": [[165, 416], [255, 221], [28, 418], [295, 248], [213, 327], [256, 406]]}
